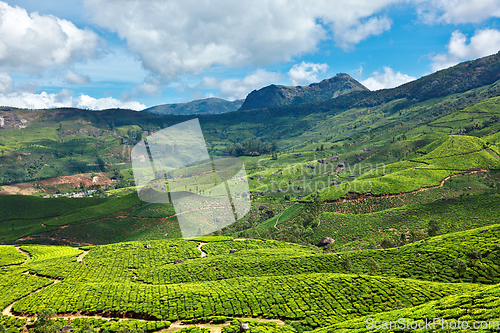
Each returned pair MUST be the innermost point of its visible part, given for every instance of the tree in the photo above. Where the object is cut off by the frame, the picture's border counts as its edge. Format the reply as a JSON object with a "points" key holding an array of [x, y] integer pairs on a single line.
{"points": [[474, 254], [311, 211], [101, 165], [138, 135], [274, 146], [433, 228], [372, 265], [431, 269], [347, 264], [460, 267], [45, 324], [387, 243], [413, 236], [402, 238], [496, 256], [316, 204]]}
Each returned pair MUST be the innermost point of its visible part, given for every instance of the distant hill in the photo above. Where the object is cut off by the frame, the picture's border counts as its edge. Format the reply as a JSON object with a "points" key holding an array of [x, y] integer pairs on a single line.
{"points": [[202, 106], [274, 95]]}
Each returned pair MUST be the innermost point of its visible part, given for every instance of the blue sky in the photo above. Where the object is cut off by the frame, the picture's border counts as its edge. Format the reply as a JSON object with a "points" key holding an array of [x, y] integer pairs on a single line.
{"points": [[135, 54]]}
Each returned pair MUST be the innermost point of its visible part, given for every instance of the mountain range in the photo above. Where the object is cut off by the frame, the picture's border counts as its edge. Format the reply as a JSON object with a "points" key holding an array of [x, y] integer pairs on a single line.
{"points": [[210, 105], [270, 96]]}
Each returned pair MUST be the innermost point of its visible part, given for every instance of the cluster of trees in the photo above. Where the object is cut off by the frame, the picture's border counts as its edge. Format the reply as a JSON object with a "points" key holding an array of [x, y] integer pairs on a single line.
{"points": [[134, 136], [433, 229], [476, 126], [251, 147], [301, 231], [22, 170]]}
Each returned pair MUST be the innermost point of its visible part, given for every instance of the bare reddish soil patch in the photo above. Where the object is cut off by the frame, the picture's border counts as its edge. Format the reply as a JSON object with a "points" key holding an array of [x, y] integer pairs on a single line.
{"points": [[74, 180]]}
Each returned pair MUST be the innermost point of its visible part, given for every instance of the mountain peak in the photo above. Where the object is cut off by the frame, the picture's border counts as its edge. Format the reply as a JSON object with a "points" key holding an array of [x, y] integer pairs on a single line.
{"points": [[275, 95]]}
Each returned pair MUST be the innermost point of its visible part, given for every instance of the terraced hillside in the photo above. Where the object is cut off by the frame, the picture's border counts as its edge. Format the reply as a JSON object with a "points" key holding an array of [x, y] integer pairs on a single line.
{"points": [[169, 281]]}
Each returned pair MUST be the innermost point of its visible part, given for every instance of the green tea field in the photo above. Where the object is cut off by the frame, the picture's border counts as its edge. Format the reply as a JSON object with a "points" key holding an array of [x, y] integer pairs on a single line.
{"points": [[169, 281]]}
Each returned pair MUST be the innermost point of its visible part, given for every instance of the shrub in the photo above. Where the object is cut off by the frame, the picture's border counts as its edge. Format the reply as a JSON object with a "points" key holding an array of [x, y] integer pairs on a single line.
{"points": [[387, 243], [474, 254]]}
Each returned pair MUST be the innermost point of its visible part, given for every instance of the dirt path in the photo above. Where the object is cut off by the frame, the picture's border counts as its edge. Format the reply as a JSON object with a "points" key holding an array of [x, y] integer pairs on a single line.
{"points": [[82, 255], [28, 257], [217, 328], [278, 219], [177, 326], [203, 253], [69, 241]]}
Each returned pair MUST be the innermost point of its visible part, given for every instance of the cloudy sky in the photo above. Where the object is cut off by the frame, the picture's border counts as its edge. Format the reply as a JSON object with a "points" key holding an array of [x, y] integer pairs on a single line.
{"points": [[139, 53]]}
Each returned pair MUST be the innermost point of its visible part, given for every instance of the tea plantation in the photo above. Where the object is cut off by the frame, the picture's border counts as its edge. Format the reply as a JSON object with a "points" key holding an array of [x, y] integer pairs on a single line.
{"points": [[370, 207], [168, 281]]}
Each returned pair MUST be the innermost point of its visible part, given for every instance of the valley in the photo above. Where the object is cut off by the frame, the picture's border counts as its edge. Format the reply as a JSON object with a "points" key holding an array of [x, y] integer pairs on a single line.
{"points": [[365, 206]]}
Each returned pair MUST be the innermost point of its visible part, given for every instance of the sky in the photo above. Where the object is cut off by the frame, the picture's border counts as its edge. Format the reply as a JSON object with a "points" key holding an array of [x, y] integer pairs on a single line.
{"points": [[98, 54]]}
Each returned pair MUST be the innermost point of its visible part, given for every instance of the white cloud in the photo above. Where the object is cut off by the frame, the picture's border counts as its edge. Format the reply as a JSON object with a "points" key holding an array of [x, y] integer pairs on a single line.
{"points": [[33, 42], [6, 83], [29, 87], [186, 37], [387, 79], [306, 72], [151, 86], [64, 99], [209, 82], [239, 88], [483, 43], [457, 11], [75, 78], [355, 34], [358, 72]]}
